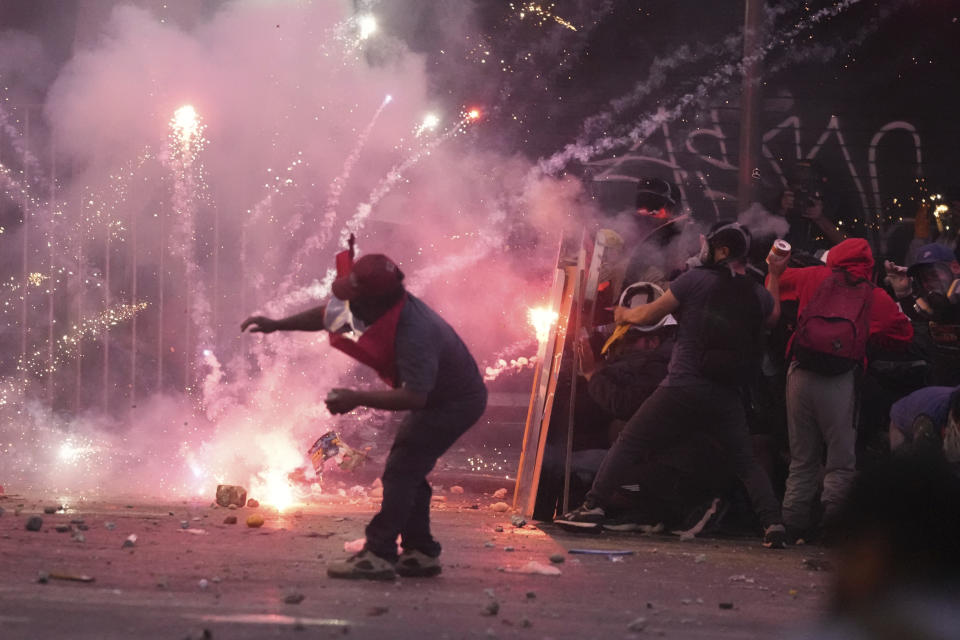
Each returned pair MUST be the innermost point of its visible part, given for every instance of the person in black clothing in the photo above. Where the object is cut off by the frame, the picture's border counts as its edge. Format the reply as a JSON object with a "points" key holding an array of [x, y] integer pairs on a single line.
{"points": [[432, 375], [693, 400]]}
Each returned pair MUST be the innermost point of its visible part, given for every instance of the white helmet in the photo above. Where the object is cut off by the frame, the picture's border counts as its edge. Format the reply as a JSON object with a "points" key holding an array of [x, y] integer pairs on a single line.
{"points": [[644, 293]]}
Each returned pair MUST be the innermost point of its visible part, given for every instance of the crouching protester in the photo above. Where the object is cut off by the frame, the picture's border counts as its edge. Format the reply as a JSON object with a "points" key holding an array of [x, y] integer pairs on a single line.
{"points": [[721, 314], [927, 422], [431, 374], [840, 312]]}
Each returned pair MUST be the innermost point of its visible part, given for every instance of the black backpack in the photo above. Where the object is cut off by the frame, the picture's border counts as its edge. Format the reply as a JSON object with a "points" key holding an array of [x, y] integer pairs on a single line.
{"points": [[731, 329]]}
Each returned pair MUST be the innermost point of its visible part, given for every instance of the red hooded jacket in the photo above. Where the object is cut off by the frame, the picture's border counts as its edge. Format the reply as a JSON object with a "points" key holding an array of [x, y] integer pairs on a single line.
{"points": [[889, 327]]}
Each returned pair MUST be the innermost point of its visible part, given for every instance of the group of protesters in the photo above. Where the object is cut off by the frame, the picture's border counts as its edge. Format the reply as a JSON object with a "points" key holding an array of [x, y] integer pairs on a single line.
{"points": [[762, 374]]}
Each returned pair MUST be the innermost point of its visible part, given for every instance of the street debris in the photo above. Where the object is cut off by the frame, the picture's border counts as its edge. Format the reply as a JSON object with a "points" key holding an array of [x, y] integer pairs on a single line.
{"points": [[204, 583], [293, 598], [354, 546], [184, 524], [517, 521], [500, 494], [45, 576], [557, 558], [500, 507], [637, 624], [254, 521], [35, 523], [535, 568], [130, 541], [253, 504], [228, 494], [51, 509], [230, 520], [62, 528], [110, 526], [78, 537], [817, 564], [330, 445], [508, 549], [456, 490], [741, 578], [498, 529], [196, 532], [377, 611], [726, 605], [700, 558], [602, 552], [492, 608]]}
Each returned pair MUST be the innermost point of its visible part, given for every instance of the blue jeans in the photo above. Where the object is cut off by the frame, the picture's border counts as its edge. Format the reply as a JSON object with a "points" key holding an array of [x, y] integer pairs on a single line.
{"points": [[421, 439]]}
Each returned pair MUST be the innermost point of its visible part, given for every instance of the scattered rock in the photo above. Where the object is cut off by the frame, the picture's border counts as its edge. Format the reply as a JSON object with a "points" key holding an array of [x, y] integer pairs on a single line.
{"points": [[525, 622], [62, 528], [508, 549], [700, 558], [535, 568], [531, 595], [253, 504], [474, 507], [638, 624], [293, 598], [456, 490], [377, 611], [83, 527], [228, 494], [686, 601], [78, 537], [232, 507], [492, 608], [726, 605], [130, 541], [43, 577], [255, 521], [204, 583], [49, 510], [557, 558], [489, 545], [517, 521], [78, 522], [498, 529], [230, 520], [35, 523], [500, 494], [110, 525], [817, 564], [438, 498]]}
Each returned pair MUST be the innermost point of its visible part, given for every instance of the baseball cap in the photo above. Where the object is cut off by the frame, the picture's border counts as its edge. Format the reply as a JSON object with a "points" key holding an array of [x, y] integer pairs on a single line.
{"points": [[930, 253], [371, 276]]}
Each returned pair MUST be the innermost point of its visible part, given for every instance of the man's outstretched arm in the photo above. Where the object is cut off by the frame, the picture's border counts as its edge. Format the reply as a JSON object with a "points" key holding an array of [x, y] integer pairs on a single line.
{"points": [[402, 399], [309, 320]]}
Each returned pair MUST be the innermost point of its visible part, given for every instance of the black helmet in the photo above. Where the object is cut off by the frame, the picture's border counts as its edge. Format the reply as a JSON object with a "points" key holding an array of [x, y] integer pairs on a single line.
{"points": [[732, 235], [654, 194]]}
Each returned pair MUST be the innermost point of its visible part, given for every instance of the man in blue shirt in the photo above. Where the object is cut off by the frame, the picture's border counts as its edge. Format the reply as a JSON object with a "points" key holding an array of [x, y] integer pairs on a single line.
{"points": [[432, 375]]}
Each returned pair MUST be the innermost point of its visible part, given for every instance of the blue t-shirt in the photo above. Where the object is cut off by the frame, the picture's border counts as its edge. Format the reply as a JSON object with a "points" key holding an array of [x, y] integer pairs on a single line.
{"points": [[692, 289], [930, 401], [431, 358]]}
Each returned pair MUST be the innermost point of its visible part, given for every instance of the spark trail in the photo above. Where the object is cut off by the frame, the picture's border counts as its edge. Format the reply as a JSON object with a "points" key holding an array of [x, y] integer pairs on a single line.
{"points": [[584, 152]]}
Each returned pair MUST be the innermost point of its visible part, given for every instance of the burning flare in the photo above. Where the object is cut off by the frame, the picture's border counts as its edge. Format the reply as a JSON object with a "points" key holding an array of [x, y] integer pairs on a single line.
{"points": [[542, 319]]}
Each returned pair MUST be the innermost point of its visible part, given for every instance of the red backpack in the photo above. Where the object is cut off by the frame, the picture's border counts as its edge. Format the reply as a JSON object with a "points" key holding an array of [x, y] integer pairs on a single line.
{"points": [[832, 330]]}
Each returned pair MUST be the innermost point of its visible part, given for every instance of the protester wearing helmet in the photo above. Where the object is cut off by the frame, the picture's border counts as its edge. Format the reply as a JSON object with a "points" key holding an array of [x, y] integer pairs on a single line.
{"points": [[721, 314]]}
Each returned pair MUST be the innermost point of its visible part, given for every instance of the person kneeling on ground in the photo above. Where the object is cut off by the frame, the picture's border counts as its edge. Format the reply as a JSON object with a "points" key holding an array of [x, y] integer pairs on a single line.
{"points": [[432, 375], [721, 317], [927, 421]]}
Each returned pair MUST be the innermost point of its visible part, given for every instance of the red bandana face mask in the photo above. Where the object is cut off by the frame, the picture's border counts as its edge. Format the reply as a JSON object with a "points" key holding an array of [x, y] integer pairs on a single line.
{"points": [[376, 348]]}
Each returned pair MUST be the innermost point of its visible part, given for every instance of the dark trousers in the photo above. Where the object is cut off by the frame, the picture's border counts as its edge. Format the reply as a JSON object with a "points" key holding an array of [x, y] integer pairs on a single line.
{"points": [[673, 415], [422, 438]]}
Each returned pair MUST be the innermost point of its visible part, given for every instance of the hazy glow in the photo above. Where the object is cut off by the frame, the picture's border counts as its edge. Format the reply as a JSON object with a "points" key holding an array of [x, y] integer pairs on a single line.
{"points": [[368, 26], [542, 319]]}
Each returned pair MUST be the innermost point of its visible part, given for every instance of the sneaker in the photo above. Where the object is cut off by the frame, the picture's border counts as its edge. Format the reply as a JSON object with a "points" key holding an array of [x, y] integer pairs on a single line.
{"points": [[364, 565], [416, 564], [628, 522], [586, 516], [775, 537]]}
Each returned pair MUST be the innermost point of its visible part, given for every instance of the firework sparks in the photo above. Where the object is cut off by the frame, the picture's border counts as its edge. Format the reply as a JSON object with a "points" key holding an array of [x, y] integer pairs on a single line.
{"points": [[543, 13], [542, 319], [430, 122], [367, 26]]}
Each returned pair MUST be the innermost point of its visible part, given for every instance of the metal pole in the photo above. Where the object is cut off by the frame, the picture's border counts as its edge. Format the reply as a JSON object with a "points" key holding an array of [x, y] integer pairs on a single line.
{"points": [[50, 260], [24, 287], [750, 103], [133, 301], [160, 298], [106, 334]]}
